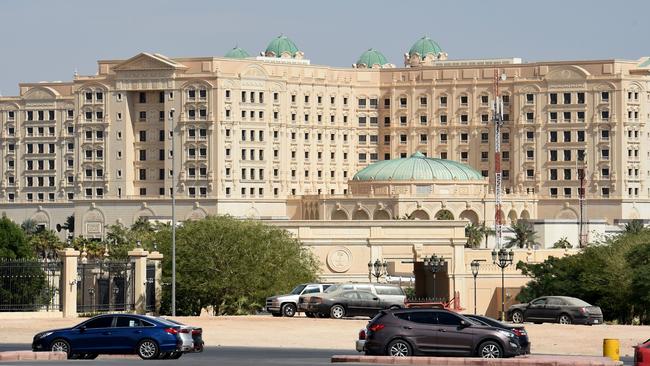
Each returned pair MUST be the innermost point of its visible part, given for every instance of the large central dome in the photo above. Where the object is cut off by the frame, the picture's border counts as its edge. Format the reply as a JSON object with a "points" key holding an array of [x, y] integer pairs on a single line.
{"points": [[419, 168]]}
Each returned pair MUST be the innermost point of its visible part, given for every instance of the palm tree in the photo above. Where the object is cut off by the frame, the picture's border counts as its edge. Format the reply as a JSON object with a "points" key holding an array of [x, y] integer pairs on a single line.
{"points": [[30, 227], [634, 227], [525, 236], [474, 235], [487, 231]]}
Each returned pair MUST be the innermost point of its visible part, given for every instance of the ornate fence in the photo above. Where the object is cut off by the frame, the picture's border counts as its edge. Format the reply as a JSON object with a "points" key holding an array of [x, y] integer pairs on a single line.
{"points": [[30, 285]]}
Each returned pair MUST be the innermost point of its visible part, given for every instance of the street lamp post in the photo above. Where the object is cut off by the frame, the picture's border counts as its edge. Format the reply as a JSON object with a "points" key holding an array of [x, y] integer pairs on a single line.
{"points": [[171, 129], [502, 259], [434, 264], [378, 269], [475, 266]]}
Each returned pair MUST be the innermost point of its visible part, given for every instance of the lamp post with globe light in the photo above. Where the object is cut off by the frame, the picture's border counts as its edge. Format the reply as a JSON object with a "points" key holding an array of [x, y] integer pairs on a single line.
{"points": [[378, 269], [434, 264], [502, 258], [475, 265]]}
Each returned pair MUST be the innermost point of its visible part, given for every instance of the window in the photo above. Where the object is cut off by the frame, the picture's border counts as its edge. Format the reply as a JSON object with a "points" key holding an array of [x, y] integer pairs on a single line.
{"points": [[484, 156], [103, 322], [402, 102], [567, 174], [484, 137], [566, 98], [604, 115], [553, 98], [464, 118], [530, 98], [143, 97], [567, 136], [142, 155], [448, 319], [604, 96], [143, 136], [553, 174], [581, 98], [443, 119]]}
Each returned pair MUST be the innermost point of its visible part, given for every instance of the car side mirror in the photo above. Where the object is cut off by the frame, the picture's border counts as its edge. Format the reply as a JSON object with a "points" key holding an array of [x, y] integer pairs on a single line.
{"points": [[464, 324], [82, 328]]}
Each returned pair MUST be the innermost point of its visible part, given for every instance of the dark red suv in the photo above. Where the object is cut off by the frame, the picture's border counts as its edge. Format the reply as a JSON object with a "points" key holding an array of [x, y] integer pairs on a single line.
{"points": [[437, 332]]}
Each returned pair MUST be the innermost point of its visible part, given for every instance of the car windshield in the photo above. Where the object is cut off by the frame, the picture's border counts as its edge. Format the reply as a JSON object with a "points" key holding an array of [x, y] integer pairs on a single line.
{"points": [[578, 302], [331, 289], [298, 289], [488, 321]]}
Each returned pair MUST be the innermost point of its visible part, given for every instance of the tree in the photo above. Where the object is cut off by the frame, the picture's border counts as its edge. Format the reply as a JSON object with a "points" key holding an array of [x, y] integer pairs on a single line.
{"points": [[525, 235], [30, 226], [487, 232], [562, 243], [634, 227], [232, 265], [69, 224], [474, 235], [444, 215], [45, 243], [13, 242], [612, 274]]}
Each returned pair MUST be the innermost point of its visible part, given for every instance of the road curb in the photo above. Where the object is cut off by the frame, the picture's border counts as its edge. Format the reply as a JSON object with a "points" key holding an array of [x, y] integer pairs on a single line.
{"points": [[462, 361], [31, 356]]}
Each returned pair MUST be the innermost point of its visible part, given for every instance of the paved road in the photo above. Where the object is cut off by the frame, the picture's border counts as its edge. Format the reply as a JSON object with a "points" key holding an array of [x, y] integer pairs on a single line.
{"points": [[222, 356]]}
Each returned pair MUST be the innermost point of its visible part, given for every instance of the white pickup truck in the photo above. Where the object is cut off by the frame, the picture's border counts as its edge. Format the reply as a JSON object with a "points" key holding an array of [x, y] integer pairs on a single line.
{"points": [[287, 305]]}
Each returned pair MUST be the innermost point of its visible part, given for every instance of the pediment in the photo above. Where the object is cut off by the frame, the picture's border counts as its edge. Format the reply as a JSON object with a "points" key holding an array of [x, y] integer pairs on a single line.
{"points": [[567, 73], [39, 93], [147, 61]]}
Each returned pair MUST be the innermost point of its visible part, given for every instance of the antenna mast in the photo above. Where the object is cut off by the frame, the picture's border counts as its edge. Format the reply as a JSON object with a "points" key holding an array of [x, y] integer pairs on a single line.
{"points": [[497, 112]]}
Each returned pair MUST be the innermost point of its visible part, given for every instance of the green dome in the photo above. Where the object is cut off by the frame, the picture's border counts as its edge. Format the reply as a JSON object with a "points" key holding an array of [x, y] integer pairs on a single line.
{"points": [[417, 167], [280, 45], [425, 46], [372, 57], [237, 52]]}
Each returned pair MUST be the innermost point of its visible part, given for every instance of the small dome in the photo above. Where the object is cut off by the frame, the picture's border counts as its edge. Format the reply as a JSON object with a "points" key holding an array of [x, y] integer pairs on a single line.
{"points": [[281, 44], [237, 52], [418, 167], [371, 58], [425, 46]]}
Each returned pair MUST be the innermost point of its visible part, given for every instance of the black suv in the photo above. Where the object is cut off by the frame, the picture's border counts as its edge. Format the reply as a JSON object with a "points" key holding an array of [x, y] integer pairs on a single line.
{"points": [[438, 332]]}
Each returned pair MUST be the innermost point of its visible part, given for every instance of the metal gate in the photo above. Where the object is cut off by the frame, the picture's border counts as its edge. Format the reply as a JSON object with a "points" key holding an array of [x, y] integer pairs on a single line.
{"points": [[105, 286], [151, 288], [30, 285]]}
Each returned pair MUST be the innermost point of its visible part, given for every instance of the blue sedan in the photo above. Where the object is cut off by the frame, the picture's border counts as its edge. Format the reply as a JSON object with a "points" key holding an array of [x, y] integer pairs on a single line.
{"points": [[112, 334]]}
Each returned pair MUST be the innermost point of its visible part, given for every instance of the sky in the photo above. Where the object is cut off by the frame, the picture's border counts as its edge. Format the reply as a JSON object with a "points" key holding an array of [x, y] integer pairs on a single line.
{"points": [[50, 39]]}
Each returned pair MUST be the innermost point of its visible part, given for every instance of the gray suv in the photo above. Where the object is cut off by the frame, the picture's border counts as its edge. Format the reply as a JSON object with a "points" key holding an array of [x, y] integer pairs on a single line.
{"points": [[438, 332], [287, 305]]}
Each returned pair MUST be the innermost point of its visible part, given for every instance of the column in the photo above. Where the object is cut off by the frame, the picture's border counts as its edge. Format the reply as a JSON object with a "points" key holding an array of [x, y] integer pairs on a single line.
{"points": [[138, 257], [69, 281], [156, 257]]}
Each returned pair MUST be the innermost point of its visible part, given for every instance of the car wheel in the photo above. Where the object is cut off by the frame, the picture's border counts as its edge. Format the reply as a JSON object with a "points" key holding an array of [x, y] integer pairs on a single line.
{"points": [[399, 348], [309, 314], [175, 355], [337, 311], [289, 310], [517, 317], [564, 319], [60, 345], [90, 356], [148, 349], [276, 314], [490, 349]]}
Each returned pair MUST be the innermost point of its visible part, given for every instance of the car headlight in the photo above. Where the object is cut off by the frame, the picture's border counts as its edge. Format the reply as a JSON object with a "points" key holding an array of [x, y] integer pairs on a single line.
{"points": [[507, 333], [43, 335]]}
